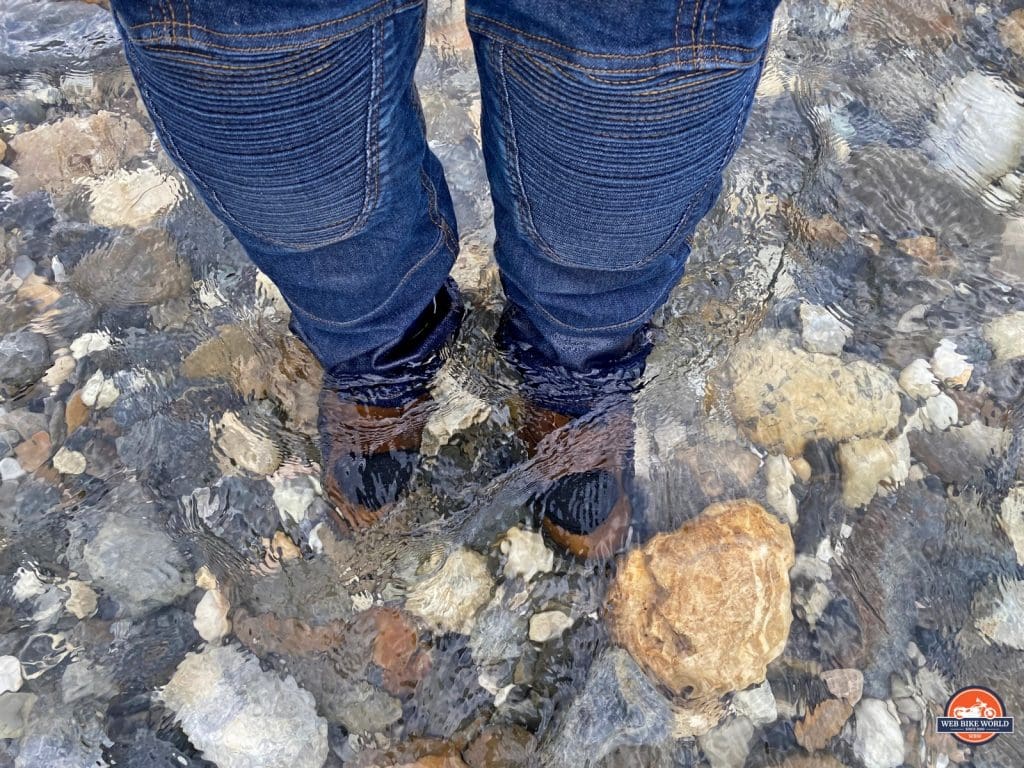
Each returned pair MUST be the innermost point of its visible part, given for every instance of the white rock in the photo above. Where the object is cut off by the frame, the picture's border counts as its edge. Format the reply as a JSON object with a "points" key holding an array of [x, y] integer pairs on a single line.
{"points": [[10, 674], [917, 380], [449, 600], [61, 370], [69, 462], [132, 198], [950, 366], [10, 469], [548, 624], [1011, 518], [88, 343], [1006, 336], [211, 621], [821, 331], [242, 717], [99, 392], [999, 613], [527, 554], [900, 469], [865, 463], [728, 745], [457, 409], [27, 585], [244, 447], [779, 478], [878, 738], [757, 704], [940, 413], [293, 496], [83, 600]]}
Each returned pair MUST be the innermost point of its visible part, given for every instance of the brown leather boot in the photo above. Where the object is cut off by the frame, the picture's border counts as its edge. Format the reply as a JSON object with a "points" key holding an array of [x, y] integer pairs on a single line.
{"points": [[588, 463]]}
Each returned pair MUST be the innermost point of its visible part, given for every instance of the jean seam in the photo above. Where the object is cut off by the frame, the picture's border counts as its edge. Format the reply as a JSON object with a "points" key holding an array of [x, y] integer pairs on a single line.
{"points": [[275, 48], [371, 180], [296, 30], [595, 54], [440, 243], [434, 212], [523, 204]]}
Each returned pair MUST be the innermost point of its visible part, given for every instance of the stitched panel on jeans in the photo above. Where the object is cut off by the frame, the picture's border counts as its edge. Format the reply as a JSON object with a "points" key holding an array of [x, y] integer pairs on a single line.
{"points": [[284, 144], [609, 167]]}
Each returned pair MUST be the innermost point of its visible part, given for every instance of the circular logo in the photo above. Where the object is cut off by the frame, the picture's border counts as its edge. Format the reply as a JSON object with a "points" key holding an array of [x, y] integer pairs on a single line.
{"points": [[975, 705]]}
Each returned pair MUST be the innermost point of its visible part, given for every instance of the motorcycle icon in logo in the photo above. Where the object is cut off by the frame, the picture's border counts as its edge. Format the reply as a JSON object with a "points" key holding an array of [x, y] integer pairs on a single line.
{"points": [[975, 715]]}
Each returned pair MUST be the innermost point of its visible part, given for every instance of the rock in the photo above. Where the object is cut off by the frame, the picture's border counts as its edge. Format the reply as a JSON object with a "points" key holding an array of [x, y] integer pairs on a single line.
{"points": [[728, 745], [707, 607], [34, 451], [784, 397], [283, 547], [939, 412], [821, 331], [617, 707], [811, 761], [1011, 31], [960, 454], [137, 563], [878, 739], [243, 717], [449, 600], [10, 469], [24, 358], [499, 632], [243, 447], [88, 343], [82, 601], [527, 554], [83, 679], [76, 412], [865, 463], [548, 624], [822, 724], [778, 473], [918, 381], [978, 130], [396, 650], [132, 198], [1011, 518], [231, 355], [293, 496], [10, 674], [211, 620], [845, 684], [998, 611], [950, 366], [457, 409], [69, 462], [148, 269], [14, 712], [1006, 336], [501, 746], [55, 156], [757, 704]]}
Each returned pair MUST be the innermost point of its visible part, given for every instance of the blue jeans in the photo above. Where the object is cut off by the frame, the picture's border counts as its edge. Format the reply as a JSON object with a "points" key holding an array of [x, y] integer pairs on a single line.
{"points": [[606, 128]]}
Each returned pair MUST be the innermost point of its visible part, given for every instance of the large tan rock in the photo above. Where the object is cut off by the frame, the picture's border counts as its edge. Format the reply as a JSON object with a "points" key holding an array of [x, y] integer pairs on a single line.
{"points": [[783, 397], [706, 608]]}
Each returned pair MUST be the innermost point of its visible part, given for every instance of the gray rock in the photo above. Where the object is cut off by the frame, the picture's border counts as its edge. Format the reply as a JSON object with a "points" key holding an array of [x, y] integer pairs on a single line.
{"points": [[878, 739], [243, 717], [499, 633], [728, 745], [14, 711], [55, 738], [148, 269], [618, 707], [24, 358], [999, 613], [137, 563], [821, 331]]}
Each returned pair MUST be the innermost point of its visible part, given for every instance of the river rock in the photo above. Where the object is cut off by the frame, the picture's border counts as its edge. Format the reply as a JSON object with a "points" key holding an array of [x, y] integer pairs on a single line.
{"points": [[547, 625], [999, 613], [821, 331], [845, 684], [137, 563], [449, 600], [147, 266], [618, 707], [707, 607], [728, 745], [821, 724], [757, 704], [132, 198], [55, 156], [950, 366], [243, 717], [211, 621], [24, 358], [527, 554], [1006, 336], [783, 397], [244, 447], [1011, 31], [10, 674], [878, 738], [14, 711], [779, 478], [865, 463], [939, 412], [99, 392], [917, 380], [1011, 518], [69, 462]]}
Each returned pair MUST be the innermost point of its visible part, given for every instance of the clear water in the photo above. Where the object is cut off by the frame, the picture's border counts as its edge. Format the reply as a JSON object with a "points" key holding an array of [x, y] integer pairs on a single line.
{"points": [[165, 434]]}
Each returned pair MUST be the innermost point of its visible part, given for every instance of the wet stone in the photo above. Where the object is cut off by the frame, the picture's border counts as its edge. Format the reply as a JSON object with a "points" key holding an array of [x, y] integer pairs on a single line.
{"points": [[618, 706], [14, 711], [24, 358], [878, 739], [449, 600], [148, 269], [728, 745], [822, 723]]}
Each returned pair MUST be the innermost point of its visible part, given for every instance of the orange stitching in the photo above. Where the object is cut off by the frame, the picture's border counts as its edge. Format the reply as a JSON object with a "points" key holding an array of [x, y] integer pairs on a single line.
{"points": [[593, 54], [308, 28]]}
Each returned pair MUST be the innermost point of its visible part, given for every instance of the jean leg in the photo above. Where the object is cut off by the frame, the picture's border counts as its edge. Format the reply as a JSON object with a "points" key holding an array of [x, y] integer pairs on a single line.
{"points": [[606, 129], [300, 127]]}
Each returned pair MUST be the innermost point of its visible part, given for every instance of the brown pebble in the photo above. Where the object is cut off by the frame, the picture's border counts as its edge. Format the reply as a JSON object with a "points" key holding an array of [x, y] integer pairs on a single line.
{"points": [[34, 452], [822, 724], [396, 650], [76, 413]]}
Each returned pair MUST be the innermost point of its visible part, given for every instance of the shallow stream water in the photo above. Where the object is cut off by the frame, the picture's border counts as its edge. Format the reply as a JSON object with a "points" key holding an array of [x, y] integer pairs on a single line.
{"points": [[845, 353]]}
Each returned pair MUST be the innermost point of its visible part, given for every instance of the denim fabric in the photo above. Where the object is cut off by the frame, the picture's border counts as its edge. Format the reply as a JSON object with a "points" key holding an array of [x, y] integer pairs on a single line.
{"points": [[606, 127]]}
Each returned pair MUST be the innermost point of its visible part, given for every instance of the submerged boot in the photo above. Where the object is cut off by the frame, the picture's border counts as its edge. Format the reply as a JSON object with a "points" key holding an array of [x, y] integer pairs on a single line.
{"points": [[588, 465]]}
